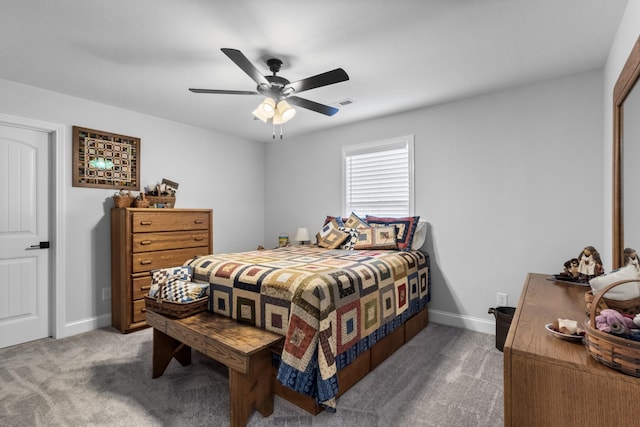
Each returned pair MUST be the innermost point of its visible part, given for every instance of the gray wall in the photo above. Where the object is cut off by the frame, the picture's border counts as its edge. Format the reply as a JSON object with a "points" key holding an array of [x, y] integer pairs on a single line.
{"points": [[215, 171], [510, 182]]}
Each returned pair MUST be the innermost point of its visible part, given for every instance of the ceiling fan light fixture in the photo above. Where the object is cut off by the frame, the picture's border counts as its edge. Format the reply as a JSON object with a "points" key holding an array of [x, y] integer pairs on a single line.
{"points": [[265, 110], [286, 111], [268, 105], [277, 118], [258, 113]]}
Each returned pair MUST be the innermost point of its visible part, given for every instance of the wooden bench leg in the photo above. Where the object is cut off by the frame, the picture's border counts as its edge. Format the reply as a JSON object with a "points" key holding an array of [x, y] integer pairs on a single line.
{"points": [[164, 349], [252, 390]]}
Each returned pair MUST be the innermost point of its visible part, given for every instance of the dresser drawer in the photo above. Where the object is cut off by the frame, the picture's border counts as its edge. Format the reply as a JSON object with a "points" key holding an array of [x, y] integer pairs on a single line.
{"points": [[146, 242], [139, 309], [146, 261], [143, 222], [141, 286]]}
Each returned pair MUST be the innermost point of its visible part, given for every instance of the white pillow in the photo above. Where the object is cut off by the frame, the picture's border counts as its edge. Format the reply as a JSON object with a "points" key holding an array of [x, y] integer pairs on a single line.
{"points": [[622, 292], [419, 236]]}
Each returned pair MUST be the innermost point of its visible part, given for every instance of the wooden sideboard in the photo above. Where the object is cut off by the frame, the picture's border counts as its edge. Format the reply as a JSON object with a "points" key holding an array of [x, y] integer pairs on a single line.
{"points": [[144, 239], [552, 382]]}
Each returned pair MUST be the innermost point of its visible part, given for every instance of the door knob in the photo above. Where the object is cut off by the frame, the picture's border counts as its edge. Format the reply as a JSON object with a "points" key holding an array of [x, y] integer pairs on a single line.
{"points": [[41, 245]]}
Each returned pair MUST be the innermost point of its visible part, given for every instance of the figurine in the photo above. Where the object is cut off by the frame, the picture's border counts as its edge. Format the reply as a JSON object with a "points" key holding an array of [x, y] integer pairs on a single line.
{"points": [[589, 263], [631, 258], [571, 268]]}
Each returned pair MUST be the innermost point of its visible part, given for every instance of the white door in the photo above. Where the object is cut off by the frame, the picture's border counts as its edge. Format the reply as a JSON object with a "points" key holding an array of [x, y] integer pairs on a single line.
{"points": [[24, 224]]}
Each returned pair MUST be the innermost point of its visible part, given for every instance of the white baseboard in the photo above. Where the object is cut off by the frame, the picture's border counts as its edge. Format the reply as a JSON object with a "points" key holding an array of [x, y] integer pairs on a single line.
{"points": [[437, 316], [460, 321], [85, 325]]}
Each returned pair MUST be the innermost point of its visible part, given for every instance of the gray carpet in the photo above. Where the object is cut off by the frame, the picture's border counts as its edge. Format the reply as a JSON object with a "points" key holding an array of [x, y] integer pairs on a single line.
{"points": [[443, 377]]}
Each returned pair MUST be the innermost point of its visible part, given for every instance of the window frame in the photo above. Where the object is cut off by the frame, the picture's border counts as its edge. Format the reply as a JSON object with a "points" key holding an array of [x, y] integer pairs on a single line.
{"points": [[379, 146]]}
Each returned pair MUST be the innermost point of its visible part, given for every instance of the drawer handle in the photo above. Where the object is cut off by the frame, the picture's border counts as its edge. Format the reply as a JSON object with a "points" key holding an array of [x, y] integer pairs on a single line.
{"points": [[145, 222], [198, 221], [143, 309], [145, 262], [145, 242], [198, 239], [145, 288]]}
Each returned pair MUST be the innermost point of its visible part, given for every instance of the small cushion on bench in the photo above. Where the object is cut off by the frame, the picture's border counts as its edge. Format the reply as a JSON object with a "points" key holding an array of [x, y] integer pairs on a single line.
{"points": [[183, 291]]}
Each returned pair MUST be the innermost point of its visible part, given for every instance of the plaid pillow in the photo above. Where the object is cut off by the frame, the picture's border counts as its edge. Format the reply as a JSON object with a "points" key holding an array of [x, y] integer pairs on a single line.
{"points": [[377, 238], [183, 291], [354, 221], [163, 275], [338, 220], [183, 272], [331, 237], [406, 227]]}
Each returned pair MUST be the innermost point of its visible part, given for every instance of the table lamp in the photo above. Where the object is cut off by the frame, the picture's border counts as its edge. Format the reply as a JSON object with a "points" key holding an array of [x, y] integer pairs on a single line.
{"points": [[302, 235]]}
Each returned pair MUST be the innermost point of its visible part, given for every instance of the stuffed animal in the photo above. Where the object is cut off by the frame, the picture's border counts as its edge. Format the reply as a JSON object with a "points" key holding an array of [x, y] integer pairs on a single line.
{"points": [[613, 322], [636, 320]]}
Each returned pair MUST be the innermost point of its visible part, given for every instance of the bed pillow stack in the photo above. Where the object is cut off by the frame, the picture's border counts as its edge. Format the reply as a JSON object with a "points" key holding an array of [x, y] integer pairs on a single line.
{"points": [[354, 232]]}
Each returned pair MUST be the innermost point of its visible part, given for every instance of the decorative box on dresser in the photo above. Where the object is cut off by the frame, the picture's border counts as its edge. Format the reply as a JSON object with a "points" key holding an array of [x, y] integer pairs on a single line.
{"points": [[145, 239], [552, 382]]}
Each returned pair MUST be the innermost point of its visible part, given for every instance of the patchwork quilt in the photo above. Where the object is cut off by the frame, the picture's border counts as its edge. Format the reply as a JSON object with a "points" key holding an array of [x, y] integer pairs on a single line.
{"points": [[330, 304]]}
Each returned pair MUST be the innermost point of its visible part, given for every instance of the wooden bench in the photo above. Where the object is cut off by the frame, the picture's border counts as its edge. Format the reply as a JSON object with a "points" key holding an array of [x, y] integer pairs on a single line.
{"points": [[244, 349]]}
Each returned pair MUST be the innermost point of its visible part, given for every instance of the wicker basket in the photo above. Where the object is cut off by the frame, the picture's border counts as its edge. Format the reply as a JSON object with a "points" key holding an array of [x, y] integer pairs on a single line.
{"points": [[122, 201], [630, 306], [177, 310], [615, 352], [141, 203], [168, 201]]}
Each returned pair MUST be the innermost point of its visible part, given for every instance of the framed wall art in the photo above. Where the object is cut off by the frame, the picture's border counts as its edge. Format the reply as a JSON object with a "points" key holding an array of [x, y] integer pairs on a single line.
{"points": [[105, 160]]}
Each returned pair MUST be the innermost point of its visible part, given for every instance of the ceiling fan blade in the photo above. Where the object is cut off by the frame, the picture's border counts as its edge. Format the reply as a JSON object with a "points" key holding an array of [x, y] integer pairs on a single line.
{"points": [[241, 61], [312, 105], [224, 92], [330, 77]]}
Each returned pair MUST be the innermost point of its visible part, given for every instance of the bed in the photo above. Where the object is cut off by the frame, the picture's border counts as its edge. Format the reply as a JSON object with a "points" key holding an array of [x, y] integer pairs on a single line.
{"points": [[331, 304]]}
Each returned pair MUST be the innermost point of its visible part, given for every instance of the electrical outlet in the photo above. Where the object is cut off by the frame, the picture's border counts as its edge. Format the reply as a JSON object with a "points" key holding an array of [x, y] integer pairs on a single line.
{"points": [[501, 299], [106, 294]]}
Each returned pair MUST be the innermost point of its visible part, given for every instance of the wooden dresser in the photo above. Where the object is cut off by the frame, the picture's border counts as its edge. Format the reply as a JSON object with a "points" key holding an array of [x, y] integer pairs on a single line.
{"points": [[552, 382], [147, 239]]}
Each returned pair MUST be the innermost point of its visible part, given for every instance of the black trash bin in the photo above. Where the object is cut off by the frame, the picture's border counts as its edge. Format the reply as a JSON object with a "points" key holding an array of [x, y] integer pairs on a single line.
{"points": [[503, 315]]}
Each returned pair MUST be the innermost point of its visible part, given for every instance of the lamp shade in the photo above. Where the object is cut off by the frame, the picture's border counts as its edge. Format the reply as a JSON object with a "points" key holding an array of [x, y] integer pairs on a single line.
{"points": [[284, 112], [302, 235], [265, 110]]}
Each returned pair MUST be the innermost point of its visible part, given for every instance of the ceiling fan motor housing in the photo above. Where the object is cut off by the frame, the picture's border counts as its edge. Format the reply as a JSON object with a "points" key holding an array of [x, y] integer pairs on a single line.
{"points": [[277, 82], [276, 89]]}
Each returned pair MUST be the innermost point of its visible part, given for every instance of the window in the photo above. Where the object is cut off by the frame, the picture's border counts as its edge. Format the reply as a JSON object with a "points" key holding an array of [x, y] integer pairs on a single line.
{"points": [[378, 178]]}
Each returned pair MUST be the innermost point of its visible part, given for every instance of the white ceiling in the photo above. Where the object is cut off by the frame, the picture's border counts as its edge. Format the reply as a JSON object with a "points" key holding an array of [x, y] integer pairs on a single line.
{"points": [[143, 55]]}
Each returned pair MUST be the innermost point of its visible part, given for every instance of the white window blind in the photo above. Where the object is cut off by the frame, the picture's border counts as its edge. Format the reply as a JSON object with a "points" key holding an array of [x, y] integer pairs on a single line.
{"points": [[378, 178]]}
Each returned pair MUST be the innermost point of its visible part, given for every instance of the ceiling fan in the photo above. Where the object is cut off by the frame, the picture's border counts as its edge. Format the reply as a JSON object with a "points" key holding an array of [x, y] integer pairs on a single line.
{"points": [[278, 90]]}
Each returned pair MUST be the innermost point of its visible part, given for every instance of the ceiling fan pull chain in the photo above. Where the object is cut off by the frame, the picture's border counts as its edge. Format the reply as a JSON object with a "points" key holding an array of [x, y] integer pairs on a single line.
{"points": [[274, 131], [280, 131]]}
